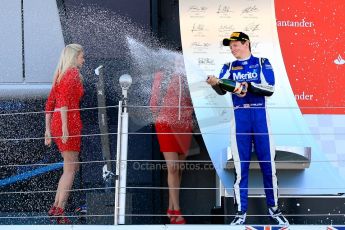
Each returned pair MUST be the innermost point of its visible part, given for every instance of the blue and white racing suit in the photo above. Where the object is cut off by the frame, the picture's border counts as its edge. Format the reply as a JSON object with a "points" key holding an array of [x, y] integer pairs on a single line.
{"points": [[250, 123]]}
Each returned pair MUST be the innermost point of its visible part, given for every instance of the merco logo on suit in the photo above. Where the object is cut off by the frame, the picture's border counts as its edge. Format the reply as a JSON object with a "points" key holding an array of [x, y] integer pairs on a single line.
{"points": [[245, 76]]}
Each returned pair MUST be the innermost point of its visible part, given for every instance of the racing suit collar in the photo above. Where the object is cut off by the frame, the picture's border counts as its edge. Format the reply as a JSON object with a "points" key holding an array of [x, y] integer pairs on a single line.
{"points": [[245, 59]]}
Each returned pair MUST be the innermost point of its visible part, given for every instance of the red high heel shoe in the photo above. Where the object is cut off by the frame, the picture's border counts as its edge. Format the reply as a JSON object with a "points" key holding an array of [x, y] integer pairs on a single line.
{"points": [[60, 216], [51, 211], [171, 215], [178, 215]]}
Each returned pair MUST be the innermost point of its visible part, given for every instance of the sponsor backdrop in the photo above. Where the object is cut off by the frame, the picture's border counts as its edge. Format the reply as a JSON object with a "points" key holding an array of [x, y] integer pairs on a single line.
{"points": [[205, 23], [312, 40]]}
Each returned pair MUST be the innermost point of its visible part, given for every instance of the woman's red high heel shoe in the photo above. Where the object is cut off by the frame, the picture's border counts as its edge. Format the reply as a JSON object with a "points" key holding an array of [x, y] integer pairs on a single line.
{"points": [[51, 211], [171, 215], [178, 215], [60, 216]]}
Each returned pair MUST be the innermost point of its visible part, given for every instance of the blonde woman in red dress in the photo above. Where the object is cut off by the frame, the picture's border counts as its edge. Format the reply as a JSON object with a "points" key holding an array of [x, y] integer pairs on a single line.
{"points": [[172, 110], [63, 122]]}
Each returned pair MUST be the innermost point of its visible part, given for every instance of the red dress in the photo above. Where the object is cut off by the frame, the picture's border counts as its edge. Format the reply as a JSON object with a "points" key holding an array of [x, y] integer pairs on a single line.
{"points": [[67, 92], [175, 119]]}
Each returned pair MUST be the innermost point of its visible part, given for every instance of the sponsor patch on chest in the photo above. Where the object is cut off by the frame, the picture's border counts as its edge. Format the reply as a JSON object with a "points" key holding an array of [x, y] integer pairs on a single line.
{"points": [[237, 68], [238, 76]]}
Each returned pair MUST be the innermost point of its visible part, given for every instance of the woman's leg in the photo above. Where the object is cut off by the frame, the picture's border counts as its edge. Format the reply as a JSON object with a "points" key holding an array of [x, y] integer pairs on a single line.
{"points": [[56, 201], [181, 167], [70, 168], [173, 179], [171, 207]]}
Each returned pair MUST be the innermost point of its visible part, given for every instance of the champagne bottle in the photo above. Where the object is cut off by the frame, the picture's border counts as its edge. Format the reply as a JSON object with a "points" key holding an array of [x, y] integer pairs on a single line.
{"points": [[227, 85], [231, 86]]}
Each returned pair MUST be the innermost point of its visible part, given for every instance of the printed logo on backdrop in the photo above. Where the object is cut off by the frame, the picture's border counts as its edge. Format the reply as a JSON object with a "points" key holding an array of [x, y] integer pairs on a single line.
{"points": [[252, 28], [266, 228], [336, 228], [198, 30], [250, 12], [225, 30], [288, 23], [206, 63], [339, 61], [224, 11], [196, 11], [200, 47]]}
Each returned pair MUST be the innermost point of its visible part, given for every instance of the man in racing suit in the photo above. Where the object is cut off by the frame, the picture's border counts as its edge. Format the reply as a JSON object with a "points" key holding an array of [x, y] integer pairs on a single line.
{"points": [[250, 123]]}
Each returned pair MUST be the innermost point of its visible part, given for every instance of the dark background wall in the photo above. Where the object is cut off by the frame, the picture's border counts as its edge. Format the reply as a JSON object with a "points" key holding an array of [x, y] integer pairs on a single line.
{"points": [[168, 21]]}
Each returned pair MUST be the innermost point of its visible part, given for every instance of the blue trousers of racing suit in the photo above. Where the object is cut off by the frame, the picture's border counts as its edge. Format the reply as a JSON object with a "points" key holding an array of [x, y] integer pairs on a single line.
{"points": [[250, 126]]}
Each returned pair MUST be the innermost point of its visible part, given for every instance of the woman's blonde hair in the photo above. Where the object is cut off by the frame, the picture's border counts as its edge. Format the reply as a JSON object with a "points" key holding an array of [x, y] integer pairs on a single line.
{"points": [[68, 59]]}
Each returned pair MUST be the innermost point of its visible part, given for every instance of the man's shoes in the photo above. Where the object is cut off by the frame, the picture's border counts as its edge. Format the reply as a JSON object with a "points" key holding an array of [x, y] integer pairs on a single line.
{"points": [[239, 219], [277, 216]]}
